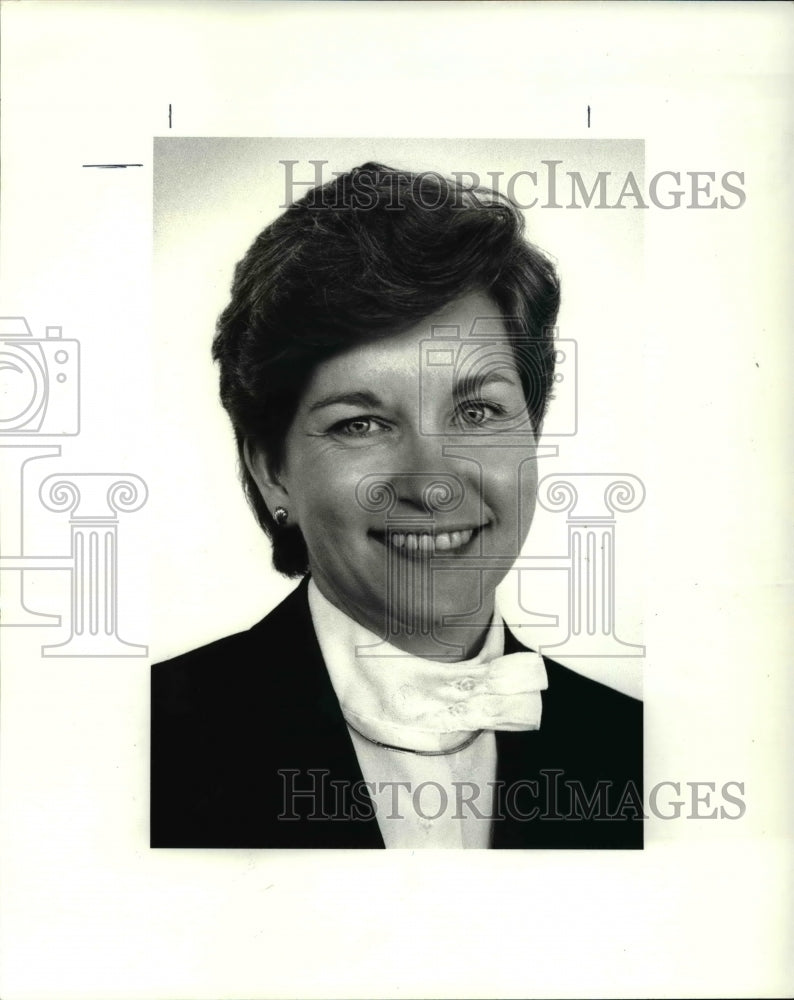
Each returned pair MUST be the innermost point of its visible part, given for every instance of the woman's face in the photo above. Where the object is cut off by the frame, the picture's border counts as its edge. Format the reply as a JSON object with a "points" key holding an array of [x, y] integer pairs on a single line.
{"points": [[410, 468]]}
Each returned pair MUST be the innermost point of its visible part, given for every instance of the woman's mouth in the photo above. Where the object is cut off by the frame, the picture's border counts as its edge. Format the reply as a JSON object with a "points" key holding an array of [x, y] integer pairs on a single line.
{"points": [[428, 543]]}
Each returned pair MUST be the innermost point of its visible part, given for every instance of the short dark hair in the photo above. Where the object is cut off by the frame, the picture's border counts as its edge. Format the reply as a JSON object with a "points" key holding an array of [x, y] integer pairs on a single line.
{"points": [[367, 255]]}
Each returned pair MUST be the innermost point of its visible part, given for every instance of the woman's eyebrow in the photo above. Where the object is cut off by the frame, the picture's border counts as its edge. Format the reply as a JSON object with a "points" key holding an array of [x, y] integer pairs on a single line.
{"points": [[360, 398], [474, 383]]}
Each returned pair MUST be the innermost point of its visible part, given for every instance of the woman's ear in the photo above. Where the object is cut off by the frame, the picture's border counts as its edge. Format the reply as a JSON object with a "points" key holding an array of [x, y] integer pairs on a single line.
{"points": [[273, 491]]}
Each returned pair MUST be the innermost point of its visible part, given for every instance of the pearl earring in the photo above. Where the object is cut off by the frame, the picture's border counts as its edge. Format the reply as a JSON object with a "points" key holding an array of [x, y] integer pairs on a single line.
{"points": [[280, 516]]}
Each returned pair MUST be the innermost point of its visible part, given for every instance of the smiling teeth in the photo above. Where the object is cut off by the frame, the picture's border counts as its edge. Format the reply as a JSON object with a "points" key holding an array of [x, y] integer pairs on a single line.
{"points": [[443, 541]]}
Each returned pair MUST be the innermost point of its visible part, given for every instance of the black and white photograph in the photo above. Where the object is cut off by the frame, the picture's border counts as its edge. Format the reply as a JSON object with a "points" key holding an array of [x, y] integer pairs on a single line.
{"points": [[396, 492], [388, 360]]}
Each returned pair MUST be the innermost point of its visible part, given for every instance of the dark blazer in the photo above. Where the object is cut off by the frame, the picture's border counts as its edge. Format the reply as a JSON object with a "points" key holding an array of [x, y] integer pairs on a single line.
{"points": [[243, 724]]}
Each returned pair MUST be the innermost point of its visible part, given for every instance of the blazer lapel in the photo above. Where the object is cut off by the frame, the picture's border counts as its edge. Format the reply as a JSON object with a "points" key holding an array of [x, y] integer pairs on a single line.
{"points": [[313, 749]]}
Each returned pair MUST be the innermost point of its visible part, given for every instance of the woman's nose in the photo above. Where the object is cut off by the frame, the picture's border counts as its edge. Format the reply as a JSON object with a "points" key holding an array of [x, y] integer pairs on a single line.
{"points": [[426, 477], [420, 452]]}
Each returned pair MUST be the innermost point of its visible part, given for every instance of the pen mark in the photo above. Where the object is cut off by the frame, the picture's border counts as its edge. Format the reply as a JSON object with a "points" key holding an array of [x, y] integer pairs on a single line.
{"points": [[112, 166]]}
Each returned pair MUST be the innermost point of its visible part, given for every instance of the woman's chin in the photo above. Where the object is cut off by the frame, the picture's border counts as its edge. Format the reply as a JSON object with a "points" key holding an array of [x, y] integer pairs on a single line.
{"points": [[449, 618]]}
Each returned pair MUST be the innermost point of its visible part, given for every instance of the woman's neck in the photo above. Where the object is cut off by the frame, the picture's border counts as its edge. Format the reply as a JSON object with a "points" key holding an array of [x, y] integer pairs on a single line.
{"points": [[421, 636]]}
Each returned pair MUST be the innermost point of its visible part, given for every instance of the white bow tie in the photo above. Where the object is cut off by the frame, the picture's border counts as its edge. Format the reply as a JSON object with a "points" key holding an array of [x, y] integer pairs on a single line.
{"points": [[407, 701], [425, 702]]}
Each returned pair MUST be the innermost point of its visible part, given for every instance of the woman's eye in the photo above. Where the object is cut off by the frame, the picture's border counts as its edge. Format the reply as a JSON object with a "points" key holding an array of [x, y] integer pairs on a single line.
{"points": [[475, 413], [357, 427]]}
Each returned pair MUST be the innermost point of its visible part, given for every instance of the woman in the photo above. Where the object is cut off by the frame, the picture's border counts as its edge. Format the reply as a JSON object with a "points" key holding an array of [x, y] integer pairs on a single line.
{"points": [[385, 363]]}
